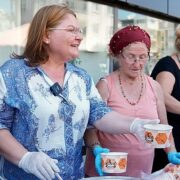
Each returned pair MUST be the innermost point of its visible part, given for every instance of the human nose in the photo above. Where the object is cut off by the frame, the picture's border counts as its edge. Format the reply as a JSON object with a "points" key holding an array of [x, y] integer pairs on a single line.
{"points": [[79, 36]]}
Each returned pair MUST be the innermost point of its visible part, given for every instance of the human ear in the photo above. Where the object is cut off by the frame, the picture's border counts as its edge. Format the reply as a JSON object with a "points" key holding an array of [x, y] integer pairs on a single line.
{"points": [[46, 39]]}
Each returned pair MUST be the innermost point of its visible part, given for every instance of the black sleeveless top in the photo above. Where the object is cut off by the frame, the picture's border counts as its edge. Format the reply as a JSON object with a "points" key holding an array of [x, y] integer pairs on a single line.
{"points": [[168, 64]]}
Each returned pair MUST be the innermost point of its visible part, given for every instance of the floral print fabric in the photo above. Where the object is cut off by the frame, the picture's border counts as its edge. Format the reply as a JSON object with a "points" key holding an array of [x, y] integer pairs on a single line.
{"points": [[41, 121]]}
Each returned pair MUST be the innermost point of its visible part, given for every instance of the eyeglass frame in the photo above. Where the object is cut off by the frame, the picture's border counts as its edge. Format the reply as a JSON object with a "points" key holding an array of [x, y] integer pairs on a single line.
{"points": [[135, 59], [74, 30]]}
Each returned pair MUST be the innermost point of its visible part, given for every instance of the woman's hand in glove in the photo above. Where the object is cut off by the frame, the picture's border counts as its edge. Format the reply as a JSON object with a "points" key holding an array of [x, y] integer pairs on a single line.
{"points": [[97, 153], [39, 164], [137, 127], [174, 157]]}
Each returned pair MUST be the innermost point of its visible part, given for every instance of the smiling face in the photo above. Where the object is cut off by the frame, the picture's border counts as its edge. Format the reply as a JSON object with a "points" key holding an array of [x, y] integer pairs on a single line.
{"points": [[133, 59], [64, 39]]}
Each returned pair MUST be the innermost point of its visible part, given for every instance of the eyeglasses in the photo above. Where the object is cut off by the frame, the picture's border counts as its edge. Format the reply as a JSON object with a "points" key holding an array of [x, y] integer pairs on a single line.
{"points": [[72, 30], [131, 58]]}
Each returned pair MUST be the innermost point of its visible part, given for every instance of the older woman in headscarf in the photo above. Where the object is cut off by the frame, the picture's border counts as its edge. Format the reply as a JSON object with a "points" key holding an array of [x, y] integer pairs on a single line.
{"points": [[129, 91]]}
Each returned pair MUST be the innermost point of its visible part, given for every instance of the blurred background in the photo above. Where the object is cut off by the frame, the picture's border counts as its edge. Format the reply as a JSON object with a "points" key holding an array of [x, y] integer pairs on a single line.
{"points": [[99, 20]]}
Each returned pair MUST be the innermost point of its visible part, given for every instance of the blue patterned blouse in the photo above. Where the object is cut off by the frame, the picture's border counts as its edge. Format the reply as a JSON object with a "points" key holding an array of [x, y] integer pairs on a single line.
{"points": [[41, 121]]}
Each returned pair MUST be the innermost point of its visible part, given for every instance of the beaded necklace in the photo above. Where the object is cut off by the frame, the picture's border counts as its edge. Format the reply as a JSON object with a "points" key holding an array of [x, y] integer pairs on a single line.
{"points": [[124, 95]]}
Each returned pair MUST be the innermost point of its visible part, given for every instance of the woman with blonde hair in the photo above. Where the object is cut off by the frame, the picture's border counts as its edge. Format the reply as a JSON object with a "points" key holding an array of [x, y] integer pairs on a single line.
{"points": [[46, 103]]}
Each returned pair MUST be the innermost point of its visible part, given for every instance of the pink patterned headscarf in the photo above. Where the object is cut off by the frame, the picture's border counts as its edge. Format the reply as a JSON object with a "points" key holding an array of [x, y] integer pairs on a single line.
{"points": [[126, 36]]}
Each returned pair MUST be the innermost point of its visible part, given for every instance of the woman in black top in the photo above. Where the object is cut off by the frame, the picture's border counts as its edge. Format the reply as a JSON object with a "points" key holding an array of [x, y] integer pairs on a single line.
{"points": [[167, 73]]}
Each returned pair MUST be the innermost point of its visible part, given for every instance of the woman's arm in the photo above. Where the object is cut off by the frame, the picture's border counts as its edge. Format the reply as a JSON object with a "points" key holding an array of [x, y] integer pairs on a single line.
{"points": [[162, 114], [167, 81], [37, 163], [10, 148], [90, 136], [161, 109], [116, 123]]}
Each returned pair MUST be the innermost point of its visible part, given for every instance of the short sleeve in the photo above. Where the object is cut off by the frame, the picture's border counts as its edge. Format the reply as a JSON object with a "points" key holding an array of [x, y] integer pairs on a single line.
{"points": [[165, 64], [98, 107], [6, 112]]}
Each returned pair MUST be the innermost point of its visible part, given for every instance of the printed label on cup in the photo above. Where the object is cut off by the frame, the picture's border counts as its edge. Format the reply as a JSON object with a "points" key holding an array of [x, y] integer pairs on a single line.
{"points": [[114, 162]]}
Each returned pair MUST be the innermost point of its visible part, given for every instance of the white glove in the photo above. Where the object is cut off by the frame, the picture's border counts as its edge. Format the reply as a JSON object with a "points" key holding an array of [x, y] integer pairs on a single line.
{"points": [[137, 127], [39, 164]]}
